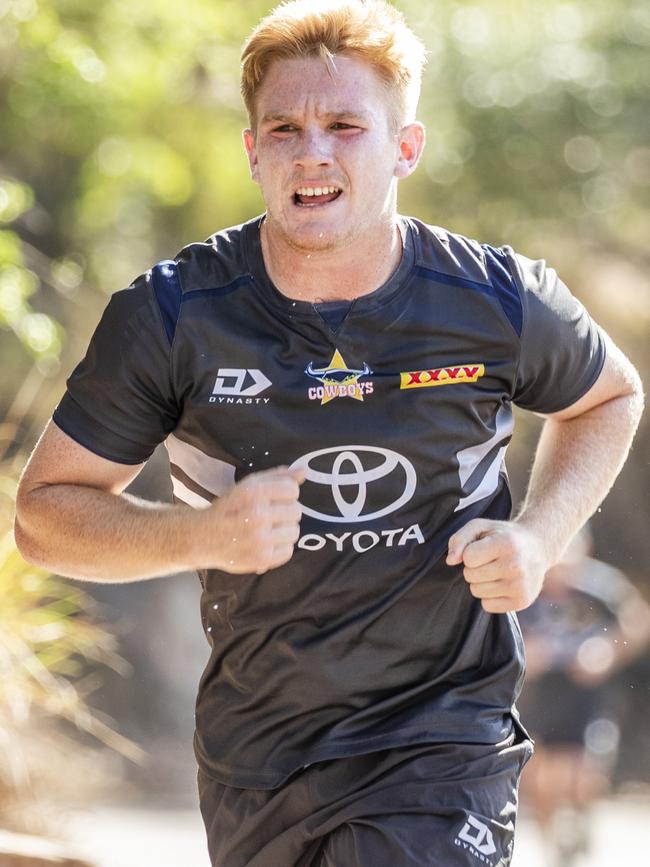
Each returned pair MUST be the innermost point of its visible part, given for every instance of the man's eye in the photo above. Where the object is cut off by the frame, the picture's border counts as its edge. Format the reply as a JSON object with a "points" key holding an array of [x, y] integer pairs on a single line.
{"points": [[341, 125], [286, 127]]}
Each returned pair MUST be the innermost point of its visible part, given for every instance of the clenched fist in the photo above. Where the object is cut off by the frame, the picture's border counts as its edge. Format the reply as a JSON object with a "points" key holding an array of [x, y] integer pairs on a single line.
{"points": [[504, 562], [254, 527]]}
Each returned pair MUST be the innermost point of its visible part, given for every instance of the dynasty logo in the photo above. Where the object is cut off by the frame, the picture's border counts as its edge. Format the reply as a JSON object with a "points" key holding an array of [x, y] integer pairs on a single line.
{"points": [[338, 380], [441, 376]]}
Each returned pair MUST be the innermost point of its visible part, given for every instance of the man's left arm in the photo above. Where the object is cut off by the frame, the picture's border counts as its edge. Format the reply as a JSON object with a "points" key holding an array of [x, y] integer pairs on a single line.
{"points": [[580, 453]]}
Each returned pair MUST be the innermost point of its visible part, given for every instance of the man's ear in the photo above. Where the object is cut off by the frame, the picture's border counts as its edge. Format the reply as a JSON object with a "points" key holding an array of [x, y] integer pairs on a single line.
{"points": [[411, 144], [251, 153]]}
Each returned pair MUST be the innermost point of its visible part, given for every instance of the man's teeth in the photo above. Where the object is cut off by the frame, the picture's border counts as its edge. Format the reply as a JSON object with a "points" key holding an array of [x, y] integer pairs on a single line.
{"points": [[316, 191]]}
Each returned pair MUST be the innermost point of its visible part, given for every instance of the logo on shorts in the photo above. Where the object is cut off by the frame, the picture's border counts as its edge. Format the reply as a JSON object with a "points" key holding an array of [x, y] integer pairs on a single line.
{"points": [[441, 376], [240, 386], [338, 380], [476, 837]]}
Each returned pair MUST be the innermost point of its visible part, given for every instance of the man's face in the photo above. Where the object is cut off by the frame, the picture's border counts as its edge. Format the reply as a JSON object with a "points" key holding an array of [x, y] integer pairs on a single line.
{"points": [[329, 134]]}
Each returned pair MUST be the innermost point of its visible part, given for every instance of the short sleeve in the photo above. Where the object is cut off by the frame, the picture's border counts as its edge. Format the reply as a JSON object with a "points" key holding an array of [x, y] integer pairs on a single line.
{"points": [[119, 401], [562, 349]]}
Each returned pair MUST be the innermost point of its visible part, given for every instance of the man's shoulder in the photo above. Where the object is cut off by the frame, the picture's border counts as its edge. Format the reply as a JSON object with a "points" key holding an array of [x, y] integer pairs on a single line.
{"points": [[213, 264], [429, 232], [452, 258], [441, 249], [203, 269]]}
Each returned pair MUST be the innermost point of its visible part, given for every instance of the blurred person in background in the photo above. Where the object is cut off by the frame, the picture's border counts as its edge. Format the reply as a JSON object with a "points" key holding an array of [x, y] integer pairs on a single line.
{"points": [[334, 385], [588, 623]]}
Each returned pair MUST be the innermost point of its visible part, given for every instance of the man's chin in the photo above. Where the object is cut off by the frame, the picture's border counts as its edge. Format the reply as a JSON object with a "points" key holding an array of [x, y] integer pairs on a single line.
{"points": [[315, 245], [312, 232], [314, 239]]}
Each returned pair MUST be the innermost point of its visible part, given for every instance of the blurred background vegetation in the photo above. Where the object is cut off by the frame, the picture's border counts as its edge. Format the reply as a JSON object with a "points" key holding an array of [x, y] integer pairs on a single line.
{"points": [[120, 142]]}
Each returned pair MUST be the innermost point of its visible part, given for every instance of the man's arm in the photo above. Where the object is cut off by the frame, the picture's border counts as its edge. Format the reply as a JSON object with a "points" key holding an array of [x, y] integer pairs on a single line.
{"points": [[73, 518], [580, 453]]}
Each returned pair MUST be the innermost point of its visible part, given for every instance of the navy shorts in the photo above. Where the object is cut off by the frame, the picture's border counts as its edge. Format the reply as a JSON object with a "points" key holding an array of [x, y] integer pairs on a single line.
{"points": [[433, 805]]}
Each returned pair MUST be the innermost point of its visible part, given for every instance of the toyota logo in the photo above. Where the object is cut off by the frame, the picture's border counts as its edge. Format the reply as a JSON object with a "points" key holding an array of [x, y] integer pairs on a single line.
{"points": [[348, 475]]}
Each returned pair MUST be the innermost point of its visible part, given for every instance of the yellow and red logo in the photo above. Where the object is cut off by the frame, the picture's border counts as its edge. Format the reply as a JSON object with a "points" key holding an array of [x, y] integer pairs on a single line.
{"points": [[441, 376]]}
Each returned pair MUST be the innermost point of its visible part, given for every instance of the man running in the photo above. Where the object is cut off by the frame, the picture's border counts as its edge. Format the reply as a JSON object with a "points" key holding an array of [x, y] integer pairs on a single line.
{"points": [[334, 384]]}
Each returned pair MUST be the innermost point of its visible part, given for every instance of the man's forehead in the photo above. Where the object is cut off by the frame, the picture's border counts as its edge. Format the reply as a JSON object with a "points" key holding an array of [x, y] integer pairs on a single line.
{"points": [[343, 87]]}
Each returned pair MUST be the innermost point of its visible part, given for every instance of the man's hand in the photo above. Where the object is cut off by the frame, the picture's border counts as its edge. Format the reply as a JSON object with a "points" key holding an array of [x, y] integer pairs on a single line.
{"points": [[504, 561], [255, 526]]}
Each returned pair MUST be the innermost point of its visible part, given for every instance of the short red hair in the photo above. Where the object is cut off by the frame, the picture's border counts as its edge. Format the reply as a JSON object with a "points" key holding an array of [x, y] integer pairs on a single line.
{"points": [[372, 31]]}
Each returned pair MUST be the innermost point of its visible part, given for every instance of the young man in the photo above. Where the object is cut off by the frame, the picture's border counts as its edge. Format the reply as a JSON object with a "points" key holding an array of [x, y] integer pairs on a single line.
{"points": [[334, 385]]}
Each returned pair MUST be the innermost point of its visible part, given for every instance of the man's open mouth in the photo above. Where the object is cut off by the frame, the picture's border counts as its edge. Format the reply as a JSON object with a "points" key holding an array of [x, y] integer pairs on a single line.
{"points": [[309, 197]]}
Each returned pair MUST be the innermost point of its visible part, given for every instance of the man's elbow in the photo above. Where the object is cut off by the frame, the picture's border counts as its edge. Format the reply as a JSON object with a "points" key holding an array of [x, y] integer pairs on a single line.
{"points": [[27, 546], [26, 536], [637, 397], [630, 401], [625, 388]]}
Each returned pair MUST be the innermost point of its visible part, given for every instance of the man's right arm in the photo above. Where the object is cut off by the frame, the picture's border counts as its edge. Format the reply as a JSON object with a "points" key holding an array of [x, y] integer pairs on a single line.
{"points": [[73, 518]]}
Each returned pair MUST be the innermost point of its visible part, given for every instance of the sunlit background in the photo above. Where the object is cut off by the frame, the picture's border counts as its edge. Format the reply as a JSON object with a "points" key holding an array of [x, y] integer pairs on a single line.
{"points": [[119, 143]]}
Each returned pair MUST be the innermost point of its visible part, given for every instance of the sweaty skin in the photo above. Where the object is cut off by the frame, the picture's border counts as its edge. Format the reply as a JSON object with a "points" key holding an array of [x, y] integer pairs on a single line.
{"points": [[98, 533], [317, 128]]}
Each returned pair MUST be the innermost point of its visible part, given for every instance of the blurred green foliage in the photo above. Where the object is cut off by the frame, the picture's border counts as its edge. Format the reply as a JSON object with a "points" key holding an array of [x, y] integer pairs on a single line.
{"points": [[538, 117]]}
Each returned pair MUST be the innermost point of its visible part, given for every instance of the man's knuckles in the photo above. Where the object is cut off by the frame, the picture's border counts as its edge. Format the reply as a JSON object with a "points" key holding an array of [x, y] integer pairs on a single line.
{"points": [[496, 606], [283, 554], [475, 556], [490, 590]]}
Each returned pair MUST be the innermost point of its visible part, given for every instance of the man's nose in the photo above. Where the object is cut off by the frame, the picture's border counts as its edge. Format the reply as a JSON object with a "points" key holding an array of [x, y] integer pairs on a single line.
{"points": [[313, 149]]}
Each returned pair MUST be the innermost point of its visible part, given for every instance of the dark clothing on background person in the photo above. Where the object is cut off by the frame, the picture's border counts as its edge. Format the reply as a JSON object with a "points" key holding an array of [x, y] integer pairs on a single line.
{"points": [[575, 626]]}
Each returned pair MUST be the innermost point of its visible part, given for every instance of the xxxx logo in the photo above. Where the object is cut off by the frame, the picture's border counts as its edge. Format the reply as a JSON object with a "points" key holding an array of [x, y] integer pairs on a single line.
{"points": [[441, 376]]}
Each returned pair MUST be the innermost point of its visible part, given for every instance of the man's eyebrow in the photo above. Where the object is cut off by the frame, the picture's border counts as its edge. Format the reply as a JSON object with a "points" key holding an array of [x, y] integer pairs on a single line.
{"points": [[352, 113], [272, 117], [279, 117]]}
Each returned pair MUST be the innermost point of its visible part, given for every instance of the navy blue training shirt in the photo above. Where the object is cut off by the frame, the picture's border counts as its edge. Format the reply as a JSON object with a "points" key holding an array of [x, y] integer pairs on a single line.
{"points": [[402, 413]]}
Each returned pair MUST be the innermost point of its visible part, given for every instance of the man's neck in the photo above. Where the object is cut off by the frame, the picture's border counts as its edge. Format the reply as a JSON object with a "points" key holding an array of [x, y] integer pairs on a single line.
{"points": [[343, 273]]}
